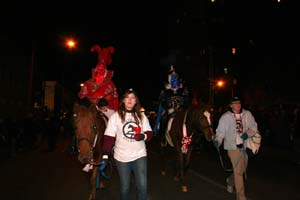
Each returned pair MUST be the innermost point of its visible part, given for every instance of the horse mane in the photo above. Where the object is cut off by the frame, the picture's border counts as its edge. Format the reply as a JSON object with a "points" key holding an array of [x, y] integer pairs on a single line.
{"points": [[83, 120], [193, 112]]}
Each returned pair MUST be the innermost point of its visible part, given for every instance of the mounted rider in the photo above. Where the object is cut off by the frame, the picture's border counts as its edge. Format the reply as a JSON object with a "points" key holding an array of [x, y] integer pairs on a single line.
{"points": [[100, 85], [173, 97], [99, 95]]}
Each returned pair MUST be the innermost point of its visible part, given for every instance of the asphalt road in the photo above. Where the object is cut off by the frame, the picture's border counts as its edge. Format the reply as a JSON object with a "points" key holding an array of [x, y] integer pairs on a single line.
{"points": [[38, 174]]}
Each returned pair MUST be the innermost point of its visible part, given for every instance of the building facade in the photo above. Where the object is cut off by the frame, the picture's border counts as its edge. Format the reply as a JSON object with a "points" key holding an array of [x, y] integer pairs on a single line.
{"points": [[15, 78]]}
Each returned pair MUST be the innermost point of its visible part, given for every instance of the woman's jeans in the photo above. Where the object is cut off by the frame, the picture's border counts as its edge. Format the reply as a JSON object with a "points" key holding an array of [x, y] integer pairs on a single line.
{"points": [[139, 168]]}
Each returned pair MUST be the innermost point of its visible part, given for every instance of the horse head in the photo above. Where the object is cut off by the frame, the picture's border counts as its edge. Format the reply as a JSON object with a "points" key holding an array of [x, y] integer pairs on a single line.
{"points": [[200, 119], [83, 121], [90, 127]]}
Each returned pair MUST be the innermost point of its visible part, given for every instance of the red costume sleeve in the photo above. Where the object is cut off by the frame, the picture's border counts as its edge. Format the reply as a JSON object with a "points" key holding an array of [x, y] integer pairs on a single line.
{"points": [[108, 143], [149, 135]]}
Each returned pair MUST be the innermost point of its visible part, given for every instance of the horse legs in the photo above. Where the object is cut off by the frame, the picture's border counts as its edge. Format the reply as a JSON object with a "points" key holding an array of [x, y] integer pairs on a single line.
{"points": [[92, 195], [163, 160], [181, 170], [188, 158], [186, 163]]}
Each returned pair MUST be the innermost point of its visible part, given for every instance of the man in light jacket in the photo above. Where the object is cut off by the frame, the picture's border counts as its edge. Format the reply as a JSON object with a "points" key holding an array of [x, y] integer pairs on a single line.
{"points": [[235, 126]]}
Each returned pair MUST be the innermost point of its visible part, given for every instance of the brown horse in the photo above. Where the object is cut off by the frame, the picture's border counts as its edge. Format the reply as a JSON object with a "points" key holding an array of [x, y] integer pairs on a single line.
{"points": [[185, 124], [90, 125]]}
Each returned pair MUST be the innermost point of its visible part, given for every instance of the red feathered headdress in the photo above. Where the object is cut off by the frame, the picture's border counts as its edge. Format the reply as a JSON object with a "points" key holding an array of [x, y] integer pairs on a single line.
{"points": [[104, 54]]}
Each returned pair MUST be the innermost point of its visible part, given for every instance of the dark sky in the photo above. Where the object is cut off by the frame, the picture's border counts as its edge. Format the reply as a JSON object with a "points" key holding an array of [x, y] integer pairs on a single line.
{"points": [[145, 35], [137, 32], [266, 34]]}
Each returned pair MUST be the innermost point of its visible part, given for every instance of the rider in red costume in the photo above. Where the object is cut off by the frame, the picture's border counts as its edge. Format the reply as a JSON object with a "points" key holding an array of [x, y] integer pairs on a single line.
{"points": [[101, 85]]}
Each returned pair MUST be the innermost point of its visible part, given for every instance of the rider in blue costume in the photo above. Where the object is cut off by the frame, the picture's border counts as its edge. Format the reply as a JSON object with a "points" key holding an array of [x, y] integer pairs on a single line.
{"points": [[173, 97]]}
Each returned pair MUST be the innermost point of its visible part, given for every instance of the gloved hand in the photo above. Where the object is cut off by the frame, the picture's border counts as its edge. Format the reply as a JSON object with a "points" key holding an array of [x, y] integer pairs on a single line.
{"points": [[139, 136], [244, 136], [104, 160], [216, 144], [87, 167]]}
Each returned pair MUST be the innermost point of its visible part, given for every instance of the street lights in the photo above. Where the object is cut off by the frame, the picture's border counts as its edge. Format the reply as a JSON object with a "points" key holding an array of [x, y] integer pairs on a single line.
{"points": [[214, 85], [71, 44], [220, 83]]}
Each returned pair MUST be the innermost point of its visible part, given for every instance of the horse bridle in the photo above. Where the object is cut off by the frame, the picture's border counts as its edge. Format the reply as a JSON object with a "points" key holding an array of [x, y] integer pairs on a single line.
{"points": [[84, 139], [207, 116], [91, 143]]}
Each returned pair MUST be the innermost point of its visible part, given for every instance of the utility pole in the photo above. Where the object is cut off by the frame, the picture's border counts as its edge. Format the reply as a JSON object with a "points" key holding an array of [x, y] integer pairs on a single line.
{"points": [[211, 76], [211, 81], [30, 82], [71, 44]]}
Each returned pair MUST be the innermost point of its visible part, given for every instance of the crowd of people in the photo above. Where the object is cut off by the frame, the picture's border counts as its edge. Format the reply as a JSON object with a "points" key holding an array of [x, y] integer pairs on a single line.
{"points": [[40, 128]]}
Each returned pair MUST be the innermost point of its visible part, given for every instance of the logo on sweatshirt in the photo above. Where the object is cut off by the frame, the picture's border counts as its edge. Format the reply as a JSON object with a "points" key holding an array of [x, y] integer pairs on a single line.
{"points": [[131, 128]]}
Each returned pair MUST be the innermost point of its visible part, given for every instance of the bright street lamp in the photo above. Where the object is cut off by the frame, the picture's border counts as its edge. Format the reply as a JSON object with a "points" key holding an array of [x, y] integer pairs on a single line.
{"points": [[71, 43], [220, 83]]}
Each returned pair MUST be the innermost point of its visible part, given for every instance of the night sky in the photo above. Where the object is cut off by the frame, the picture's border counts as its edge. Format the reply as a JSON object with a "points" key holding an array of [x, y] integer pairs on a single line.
{"points": [[150, 36]]}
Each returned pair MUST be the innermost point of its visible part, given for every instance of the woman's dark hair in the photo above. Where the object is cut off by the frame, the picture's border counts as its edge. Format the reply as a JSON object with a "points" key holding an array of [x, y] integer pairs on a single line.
{"points": [[136, 110]]}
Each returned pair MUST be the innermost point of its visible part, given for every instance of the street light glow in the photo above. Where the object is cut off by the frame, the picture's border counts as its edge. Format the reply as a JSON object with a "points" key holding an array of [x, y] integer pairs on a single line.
{"points": [[220, 83], [71, 43], [233, 51]]}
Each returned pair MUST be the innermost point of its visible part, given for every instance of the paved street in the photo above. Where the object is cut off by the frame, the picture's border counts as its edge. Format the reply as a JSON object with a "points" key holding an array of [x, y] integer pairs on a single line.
{"points": [[38, 174]]}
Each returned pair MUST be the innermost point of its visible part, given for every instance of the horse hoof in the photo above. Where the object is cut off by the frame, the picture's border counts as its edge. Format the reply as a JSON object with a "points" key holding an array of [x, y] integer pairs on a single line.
{"points": [[184, 189], [163, 173], [102, 185], [91, 197]]}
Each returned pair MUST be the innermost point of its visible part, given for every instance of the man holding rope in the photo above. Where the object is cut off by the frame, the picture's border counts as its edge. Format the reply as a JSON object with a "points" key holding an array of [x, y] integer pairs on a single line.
{"points": [[235, 127]]}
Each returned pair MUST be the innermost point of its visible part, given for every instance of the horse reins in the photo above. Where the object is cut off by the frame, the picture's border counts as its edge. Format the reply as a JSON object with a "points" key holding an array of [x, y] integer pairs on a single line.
{"points": [[101, 164], [89, 141], [222, 163]]}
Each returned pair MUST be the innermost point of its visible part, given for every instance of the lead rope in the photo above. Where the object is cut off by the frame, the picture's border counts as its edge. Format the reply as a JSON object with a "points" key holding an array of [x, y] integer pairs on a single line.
{"points": [[244, 151], [89, 166], [222, 163]]}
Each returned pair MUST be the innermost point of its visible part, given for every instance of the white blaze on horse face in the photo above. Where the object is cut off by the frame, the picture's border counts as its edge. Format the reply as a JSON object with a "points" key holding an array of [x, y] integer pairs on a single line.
{"points": [[207, 115]]}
